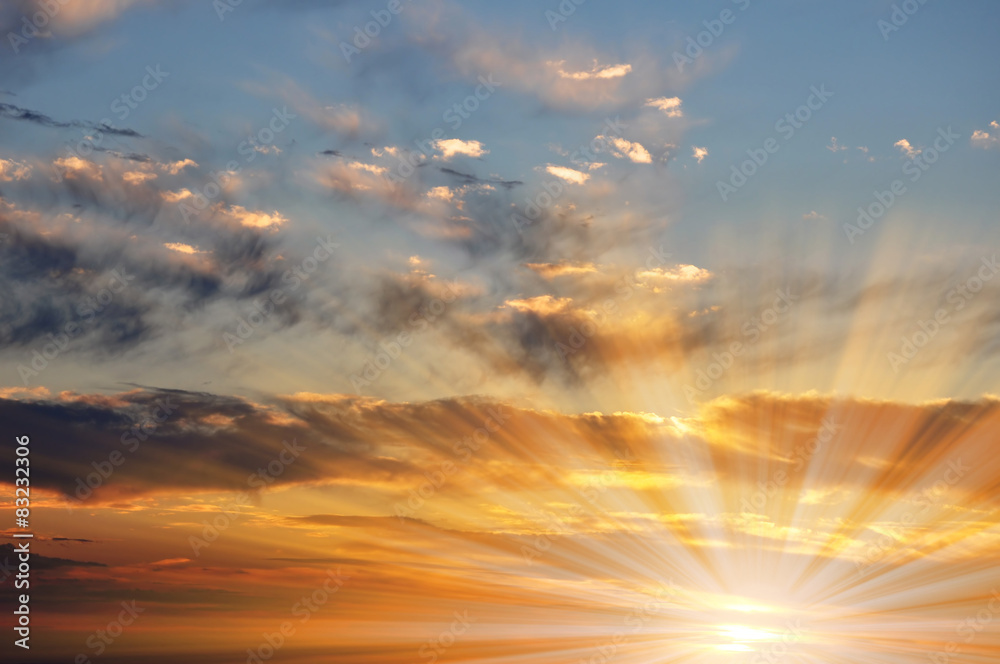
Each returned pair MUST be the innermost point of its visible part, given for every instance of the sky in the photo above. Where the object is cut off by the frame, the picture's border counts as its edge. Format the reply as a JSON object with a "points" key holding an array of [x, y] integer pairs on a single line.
{"points": [[416, 330]]}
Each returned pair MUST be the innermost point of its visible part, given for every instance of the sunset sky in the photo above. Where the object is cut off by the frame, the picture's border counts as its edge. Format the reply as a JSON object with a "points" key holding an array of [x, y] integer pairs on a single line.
{"points": [[506, 332]]}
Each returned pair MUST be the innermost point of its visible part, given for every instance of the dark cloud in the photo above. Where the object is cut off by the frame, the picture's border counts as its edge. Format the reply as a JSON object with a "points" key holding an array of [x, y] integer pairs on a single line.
{"points": [[468, 178], [12, 112], [53, 275], [208, 442], [40, 562], [129, 156], [71, 539]]}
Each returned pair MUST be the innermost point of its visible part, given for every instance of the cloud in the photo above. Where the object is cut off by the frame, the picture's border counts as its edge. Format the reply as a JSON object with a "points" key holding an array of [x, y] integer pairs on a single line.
{"points": [[596, 72], [10, 557], [625, 149], [355, 178], [813, 216], [907, 149], [67, 19], [12, 112], [249, 218], [73, 167], [567, 174], [441, 193], [568, 76], [181, 248], [340, 439], [374, 453], [684, 273], [450, 147], [346, 119], [699, 153], [13, 170], [138, 177], [66, 237], [671, 106], [985, 140], [553, 270], [834, 146], [473, 179], [177, 166]]}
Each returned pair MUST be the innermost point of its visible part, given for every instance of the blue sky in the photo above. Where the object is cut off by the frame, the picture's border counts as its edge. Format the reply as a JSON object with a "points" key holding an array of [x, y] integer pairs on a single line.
{"points": [[225, 77]]}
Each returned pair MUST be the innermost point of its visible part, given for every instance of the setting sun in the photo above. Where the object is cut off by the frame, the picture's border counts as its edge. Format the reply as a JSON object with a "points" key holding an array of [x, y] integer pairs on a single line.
{"points": [[558, 332]]}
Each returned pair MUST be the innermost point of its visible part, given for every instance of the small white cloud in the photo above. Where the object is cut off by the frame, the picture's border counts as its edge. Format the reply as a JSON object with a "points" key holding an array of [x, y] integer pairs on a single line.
{"points": [[182, 248], [813, 216], [625, 149], [369, 168], [177, 166], [660, 279], [568, 174], [699, 153], [441, 193], [449, 147], [984, 139], [138, 177], [669, 105], [254, 219], [834, 146], [597, 72], [176, 196], [907, 149]]}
